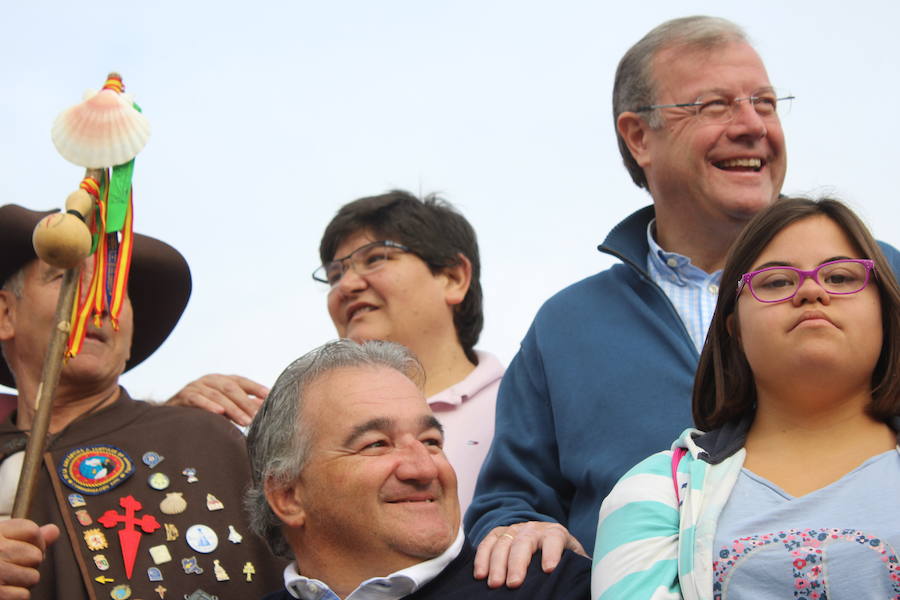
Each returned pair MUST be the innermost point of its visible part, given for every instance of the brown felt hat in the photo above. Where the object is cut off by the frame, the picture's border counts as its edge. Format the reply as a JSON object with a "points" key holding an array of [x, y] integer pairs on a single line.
{"points": [[159, 282]]}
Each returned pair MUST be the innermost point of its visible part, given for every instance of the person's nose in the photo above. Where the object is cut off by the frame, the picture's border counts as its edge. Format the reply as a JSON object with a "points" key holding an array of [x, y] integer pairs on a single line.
{"points": [[810, 292], [746, 123], [351, 282], [416, 463]]}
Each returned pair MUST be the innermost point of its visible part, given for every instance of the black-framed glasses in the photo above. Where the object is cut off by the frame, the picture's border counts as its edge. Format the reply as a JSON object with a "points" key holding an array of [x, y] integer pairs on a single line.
{"points": [[714, 107], [777, 284], [364, 260]]}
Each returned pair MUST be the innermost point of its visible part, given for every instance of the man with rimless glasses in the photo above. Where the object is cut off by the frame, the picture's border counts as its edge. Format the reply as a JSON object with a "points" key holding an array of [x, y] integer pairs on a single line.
{"points": [[604, 375]]}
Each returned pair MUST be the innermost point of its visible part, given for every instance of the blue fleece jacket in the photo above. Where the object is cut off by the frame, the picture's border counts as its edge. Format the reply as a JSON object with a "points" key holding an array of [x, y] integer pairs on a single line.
{"points": [[602, 379]]}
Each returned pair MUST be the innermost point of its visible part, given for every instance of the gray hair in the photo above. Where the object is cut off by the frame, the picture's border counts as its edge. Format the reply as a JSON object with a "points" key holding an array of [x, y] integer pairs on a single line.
{"points": [[279, 441], [15, 283], [634, 85]]}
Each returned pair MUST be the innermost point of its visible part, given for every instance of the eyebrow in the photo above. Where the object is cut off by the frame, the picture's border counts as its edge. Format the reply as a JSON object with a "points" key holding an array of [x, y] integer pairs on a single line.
{"points": [[386, 424], [343, 258], [725, 92], [50, 272], [777, 263]]}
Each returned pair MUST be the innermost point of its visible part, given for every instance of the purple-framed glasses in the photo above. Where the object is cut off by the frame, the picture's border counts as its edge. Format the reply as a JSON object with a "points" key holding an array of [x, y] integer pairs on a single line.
{"points": [[777, 284]]}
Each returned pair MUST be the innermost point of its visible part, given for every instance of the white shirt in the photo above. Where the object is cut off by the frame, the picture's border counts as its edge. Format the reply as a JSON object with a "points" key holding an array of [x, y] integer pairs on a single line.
{"points": [[692, 290], [391, 587]]}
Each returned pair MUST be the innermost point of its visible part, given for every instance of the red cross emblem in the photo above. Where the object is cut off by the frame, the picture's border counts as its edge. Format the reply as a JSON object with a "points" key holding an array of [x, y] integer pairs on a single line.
{"points": [[129, 538]]}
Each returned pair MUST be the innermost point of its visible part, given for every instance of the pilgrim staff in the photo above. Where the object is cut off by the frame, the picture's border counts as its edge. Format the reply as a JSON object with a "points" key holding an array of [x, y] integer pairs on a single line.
{"points": [[106, 130]]}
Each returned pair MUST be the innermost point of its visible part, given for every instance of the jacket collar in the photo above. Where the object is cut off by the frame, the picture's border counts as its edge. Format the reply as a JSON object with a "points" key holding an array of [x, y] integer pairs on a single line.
{"points": [[628, 240]]}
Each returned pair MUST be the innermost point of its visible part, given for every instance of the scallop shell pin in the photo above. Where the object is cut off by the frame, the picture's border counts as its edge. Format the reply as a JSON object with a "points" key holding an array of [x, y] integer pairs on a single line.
{"points": [[103, 131], [173, 504]]}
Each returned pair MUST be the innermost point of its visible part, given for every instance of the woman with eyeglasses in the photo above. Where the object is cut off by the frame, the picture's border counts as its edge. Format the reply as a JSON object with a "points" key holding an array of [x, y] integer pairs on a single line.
{"points": [[793, 489]]}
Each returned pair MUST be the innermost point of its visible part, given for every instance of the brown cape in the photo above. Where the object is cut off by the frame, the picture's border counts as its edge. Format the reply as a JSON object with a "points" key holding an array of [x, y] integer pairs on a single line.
{"points": [[184, 437]]}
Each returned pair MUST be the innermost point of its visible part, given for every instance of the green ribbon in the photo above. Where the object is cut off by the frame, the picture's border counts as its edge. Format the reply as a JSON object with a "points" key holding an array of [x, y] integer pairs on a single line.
{"points": [[119, 193]]}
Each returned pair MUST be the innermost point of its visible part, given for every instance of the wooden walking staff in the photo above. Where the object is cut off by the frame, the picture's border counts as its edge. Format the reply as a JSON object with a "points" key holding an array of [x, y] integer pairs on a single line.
{"points": [[63, 241], [104, 133]]}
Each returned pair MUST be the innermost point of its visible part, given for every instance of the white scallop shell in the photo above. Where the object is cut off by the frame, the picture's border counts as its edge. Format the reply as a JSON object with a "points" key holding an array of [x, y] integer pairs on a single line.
{"points": [[103, 131], [173, 504]]}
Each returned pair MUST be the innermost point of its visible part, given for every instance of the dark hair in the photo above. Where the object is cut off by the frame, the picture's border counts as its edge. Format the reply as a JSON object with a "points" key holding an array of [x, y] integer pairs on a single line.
{"points": [[433, 229], [724, 388]]}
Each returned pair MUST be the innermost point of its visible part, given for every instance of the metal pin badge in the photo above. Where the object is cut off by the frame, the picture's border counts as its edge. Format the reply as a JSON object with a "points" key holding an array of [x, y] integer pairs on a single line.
{"points": [[201, 538], [233, 536], [213, 503], [173, 504], [151, 459], [101, 562], [158, 481], [190, 565], [221, 574]]}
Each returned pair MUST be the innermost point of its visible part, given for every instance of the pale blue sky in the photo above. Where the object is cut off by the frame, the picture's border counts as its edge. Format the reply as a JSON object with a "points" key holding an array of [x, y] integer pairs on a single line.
{"points": [[267, 117]]}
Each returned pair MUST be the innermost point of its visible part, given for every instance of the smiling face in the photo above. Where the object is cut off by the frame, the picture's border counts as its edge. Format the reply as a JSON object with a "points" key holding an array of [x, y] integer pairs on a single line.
{"points": [[27, 323], [714, 172], [814, 334], [377, 490], [402, 302]]}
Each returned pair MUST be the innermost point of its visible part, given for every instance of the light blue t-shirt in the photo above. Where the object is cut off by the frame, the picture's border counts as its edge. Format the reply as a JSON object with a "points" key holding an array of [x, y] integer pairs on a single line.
{"points": [[837, 543]]}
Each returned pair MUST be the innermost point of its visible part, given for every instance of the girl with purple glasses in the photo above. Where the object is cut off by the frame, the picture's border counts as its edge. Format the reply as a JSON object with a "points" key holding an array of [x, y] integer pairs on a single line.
{"points": [[793, 489]]}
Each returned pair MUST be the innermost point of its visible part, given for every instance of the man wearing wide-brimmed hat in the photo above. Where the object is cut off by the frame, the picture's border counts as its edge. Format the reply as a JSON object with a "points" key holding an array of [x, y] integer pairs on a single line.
{"points": [[145, 500]]}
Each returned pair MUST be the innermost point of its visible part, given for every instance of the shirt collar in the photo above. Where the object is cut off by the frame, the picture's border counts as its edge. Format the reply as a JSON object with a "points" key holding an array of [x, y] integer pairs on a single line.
{"points": [[673, 263], [485, 373], [391, 587]]}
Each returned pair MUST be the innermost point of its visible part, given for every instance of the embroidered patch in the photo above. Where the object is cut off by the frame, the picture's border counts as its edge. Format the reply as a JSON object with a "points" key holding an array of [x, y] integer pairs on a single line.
{"points": [[95, 469]]}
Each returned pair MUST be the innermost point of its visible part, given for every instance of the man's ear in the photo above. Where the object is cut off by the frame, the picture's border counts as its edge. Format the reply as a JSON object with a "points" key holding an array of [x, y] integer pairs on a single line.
{"points": [[459, 278], [286, 503], [635, 131], [7, 315]]}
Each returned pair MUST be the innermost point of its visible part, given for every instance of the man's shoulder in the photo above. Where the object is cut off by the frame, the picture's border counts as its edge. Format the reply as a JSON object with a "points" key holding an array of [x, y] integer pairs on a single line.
{"points": [[570, 580], [606, 282], [892, 255], [211, 425]]}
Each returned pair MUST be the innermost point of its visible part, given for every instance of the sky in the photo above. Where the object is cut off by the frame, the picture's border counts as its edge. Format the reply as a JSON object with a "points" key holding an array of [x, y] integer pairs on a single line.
{"points": [[267, 117]]}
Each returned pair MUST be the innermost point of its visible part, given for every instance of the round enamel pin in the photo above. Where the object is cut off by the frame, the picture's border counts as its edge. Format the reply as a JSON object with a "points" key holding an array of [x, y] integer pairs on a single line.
{"points": [[158, 481], [95, 469], [201, 538]]}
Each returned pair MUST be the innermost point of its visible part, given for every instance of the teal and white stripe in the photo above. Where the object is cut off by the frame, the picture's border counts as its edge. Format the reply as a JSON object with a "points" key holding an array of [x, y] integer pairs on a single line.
{"points": [[647, 546]]}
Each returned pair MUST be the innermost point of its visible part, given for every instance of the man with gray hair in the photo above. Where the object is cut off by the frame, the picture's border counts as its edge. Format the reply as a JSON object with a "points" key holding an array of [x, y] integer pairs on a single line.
{"points": [[350, 480], [604, 375]]}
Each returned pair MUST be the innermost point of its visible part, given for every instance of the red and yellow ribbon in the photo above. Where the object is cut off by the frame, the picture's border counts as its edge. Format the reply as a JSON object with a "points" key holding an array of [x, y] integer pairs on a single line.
{"points": [[108, 284]]}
